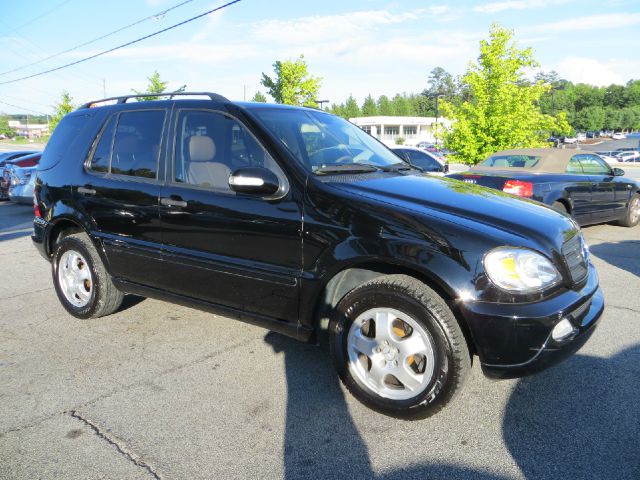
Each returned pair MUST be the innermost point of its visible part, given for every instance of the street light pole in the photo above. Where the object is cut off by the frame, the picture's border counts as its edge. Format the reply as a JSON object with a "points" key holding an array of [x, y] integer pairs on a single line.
{"points": [[435, 133], [321, 102]]}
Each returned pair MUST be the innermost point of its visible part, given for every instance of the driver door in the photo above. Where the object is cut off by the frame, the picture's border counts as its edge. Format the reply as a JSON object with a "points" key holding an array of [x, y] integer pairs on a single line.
{"points": [[227, 248]]}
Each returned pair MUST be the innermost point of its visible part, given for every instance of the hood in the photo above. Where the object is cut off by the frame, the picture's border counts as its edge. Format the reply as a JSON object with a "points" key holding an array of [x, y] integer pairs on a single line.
{"points": [[464, 203]]}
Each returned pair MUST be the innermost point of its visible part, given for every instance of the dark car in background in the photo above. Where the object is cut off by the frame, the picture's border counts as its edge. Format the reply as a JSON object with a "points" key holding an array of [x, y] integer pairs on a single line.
{"points": [[297, 220], [578, 183]]}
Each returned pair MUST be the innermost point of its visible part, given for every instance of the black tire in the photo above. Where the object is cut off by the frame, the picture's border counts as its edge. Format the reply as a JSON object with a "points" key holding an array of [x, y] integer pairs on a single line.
{"points": [[451, 356], [560, 208], [632, 215], [104, 297]]}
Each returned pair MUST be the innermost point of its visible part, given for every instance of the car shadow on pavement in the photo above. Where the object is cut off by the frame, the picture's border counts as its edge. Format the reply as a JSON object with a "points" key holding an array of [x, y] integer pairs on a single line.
{"points": [[321, 439], [16, 221], [622, 254], [578, 420]]}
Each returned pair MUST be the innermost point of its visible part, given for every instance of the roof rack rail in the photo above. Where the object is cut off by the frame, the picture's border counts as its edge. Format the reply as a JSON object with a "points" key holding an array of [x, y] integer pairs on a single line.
{"points": [[123, 99]]}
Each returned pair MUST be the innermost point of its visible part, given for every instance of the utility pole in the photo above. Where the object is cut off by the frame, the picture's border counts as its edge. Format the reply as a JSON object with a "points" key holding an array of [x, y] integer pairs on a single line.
{"points": [[435, 133], [244, 88]]}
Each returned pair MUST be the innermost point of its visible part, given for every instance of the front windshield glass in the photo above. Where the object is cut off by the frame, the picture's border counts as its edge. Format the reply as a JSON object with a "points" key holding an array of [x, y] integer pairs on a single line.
{"points": [[320, 141]]}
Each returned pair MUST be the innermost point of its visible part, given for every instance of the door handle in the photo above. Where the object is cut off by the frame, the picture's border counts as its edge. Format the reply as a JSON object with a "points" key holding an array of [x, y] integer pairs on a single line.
{"points": [[173, 202], [86, 190]]}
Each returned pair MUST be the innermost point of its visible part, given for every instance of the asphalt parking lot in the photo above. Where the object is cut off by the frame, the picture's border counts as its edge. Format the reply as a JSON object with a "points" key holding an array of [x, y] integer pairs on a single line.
{"points": [[161, 391]]}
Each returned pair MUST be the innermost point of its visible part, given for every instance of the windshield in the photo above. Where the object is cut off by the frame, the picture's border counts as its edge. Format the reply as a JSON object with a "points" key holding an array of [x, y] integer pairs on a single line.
{"points": [[511, 161], [323, 142]]}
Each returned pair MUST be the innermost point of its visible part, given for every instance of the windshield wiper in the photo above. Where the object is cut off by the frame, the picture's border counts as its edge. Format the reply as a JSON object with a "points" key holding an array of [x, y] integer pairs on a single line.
{"points": [[346, 168], [398, 167]]}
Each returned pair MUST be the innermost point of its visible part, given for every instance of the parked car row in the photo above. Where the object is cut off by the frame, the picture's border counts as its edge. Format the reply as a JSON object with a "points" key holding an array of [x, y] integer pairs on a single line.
{"points": [[17, 169]]}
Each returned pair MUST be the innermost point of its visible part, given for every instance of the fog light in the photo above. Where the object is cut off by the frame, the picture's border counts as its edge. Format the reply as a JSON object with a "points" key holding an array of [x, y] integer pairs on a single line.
{"points": [[563, 330]]}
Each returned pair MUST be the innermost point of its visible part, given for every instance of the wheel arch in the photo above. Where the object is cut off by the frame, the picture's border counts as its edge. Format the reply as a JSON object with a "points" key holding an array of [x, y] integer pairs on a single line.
{"points": [[349, 277]]}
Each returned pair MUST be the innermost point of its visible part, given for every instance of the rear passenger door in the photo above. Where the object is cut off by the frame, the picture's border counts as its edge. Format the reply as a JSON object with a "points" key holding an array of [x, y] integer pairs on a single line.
{"points": [[227, 248], [121, 189]]}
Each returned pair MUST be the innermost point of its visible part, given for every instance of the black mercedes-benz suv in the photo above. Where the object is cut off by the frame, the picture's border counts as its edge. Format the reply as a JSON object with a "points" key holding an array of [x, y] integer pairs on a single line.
{"points": [[296, 220]]}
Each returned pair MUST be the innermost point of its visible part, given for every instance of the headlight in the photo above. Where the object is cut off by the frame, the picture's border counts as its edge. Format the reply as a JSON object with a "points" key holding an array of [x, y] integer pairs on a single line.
{"points": [[520, 269]]}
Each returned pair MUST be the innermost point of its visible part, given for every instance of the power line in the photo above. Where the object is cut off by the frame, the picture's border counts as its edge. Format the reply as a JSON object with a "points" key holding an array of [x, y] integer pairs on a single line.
{"points": [[22, 108], [121, 46], [29, 22], [150, 17]]}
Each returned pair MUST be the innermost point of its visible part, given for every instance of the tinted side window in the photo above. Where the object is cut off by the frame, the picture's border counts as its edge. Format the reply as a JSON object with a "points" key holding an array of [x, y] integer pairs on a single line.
{"points": [[210, 146], [593, 165], [423, 160], [102, 154], [65, 134], [136, 145], [574, 165]]}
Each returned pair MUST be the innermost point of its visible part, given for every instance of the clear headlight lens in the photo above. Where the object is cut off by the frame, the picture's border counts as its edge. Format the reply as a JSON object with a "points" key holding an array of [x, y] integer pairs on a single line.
{"points": [[520, 269]]}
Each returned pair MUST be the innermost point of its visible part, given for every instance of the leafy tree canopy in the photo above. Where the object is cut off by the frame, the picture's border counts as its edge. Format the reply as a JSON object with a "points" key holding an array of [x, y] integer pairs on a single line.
{"points": [[292, 84], [503, 110]]}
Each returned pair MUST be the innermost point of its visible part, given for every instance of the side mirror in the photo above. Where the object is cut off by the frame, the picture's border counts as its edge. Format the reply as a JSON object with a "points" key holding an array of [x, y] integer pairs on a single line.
{"points": [[254, 181], [618, 172], [445, 168]]}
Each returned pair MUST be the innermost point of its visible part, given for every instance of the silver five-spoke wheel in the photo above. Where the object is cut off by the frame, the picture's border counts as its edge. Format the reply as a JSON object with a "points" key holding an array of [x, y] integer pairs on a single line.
{"points": [[634, 210], [75, 278], [390, 353]]}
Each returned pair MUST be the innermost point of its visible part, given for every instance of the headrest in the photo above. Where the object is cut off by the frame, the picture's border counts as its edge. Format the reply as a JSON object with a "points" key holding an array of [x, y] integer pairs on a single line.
{"points": [[201, 149]]}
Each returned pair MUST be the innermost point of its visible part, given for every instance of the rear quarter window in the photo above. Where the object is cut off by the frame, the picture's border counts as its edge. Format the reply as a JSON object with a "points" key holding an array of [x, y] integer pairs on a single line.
{"points": [[511, 161], [64, 137]]}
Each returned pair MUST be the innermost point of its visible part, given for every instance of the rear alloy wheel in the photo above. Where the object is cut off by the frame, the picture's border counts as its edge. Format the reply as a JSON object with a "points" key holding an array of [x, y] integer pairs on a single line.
{"points": [[398, 348], [632, 215], [82, 283]]}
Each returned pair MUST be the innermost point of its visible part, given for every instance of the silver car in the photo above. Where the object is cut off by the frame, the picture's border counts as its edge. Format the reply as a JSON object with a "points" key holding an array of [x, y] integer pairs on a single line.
{"points": [[22, 184]]}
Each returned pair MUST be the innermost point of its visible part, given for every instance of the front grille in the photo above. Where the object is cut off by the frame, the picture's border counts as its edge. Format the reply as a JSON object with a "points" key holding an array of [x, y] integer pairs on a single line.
{"points": [[573, 252]]}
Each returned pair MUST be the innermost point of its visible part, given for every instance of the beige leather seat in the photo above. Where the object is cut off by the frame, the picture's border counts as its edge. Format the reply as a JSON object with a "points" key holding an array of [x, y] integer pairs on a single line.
{"points": [[501, 163], [202, 170]]}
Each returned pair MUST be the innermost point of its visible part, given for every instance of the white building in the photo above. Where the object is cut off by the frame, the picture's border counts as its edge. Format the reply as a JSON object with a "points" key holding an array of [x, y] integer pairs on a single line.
{"points": [[412, 129], [29, 130]]}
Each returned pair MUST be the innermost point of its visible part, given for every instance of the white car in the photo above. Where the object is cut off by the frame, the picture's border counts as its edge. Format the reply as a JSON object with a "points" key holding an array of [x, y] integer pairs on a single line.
{"points": [[618, 136], [570, 140], [632, 156], [581, 137]]}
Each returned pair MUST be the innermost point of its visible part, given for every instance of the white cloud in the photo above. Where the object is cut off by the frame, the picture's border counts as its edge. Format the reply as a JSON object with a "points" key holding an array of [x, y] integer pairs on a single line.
{"points": [[495, 7], [588, 70], [606, 21]]}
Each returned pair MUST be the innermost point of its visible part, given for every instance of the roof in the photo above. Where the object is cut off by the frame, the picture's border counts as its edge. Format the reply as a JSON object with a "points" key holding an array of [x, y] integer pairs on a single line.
{"points": [[552, 160]]}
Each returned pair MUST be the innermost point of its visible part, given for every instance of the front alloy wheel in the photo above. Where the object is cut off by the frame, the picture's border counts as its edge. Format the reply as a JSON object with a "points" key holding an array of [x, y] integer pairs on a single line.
{"points": [[398, 347]]}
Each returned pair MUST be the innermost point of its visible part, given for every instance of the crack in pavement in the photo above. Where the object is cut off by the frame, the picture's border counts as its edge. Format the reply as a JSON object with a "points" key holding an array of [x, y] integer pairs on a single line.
{"points": [[629, 309], [31, 292], [117, 443]]}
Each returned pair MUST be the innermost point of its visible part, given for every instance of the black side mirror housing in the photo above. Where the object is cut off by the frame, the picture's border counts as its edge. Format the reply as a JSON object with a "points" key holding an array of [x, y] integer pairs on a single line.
{"points": [[254, 181], [618, 172]]}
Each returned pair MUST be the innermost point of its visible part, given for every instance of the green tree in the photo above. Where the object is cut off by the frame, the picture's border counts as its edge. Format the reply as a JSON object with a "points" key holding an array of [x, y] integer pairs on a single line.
{"points": [[502, 111], [369, 107], [156, 85], [60, 109], [351, 108], [4, 127], [402, 106], [259, 97], [384, 106], [293, 85], [441, 82], [590, 119]]}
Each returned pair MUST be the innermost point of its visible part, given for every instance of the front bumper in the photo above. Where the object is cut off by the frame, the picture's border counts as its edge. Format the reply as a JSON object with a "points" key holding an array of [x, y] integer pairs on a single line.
{"points": [[515, 340]]}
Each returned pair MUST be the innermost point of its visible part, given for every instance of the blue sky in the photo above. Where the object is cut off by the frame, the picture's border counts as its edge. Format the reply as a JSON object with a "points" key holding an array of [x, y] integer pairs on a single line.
{"points": [[357, 47]]}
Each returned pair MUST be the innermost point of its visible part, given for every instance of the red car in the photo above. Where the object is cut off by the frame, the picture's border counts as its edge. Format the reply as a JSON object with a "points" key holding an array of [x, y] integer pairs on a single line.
{"points": [[24, 161]]}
